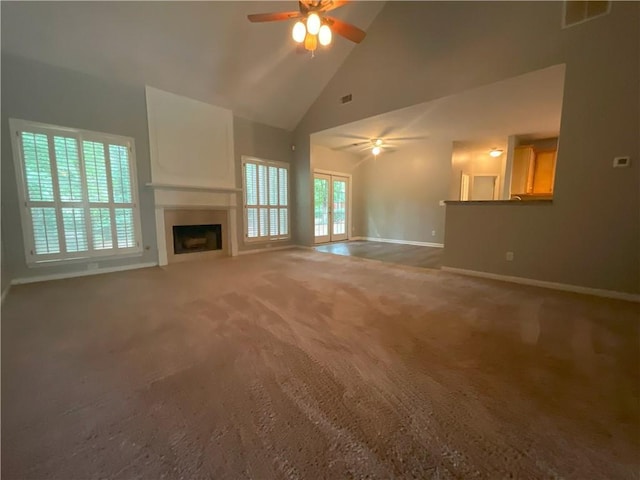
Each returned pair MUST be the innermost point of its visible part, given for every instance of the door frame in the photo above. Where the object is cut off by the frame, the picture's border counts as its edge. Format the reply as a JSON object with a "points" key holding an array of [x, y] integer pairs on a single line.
{"points": [[349, 200]]}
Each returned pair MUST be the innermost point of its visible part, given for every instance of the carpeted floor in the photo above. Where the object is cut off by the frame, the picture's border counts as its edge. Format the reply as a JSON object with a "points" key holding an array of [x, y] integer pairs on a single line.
{"points": [[297, 364]]}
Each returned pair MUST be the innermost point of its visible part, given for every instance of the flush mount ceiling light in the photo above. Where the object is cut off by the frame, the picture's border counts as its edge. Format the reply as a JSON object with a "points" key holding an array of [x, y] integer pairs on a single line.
{"points": [[314, 26], [495, 152]]}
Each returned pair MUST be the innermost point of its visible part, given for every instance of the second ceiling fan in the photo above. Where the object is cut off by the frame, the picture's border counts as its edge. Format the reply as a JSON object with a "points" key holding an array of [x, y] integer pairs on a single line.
{"points": [[314, 26]]}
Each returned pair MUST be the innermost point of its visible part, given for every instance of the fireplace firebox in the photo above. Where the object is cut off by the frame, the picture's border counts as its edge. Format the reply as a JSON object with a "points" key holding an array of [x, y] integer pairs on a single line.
{"points": [[196, 238]]}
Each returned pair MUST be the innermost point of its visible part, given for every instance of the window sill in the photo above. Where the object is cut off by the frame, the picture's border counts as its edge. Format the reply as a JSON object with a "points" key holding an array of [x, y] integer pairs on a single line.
{"points": [[81, 260], [261, 241]]}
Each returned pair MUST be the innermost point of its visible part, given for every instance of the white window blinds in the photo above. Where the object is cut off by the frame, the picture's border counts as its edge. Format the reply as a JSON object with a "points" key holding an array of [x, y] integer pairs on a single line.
{"points": [[79, 192], [266, 199]]}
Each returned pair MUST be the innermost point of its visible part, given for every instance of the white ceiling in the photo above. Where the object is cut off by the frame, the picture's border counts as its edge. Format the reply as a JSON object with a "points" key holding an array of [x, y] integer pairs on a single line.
{"points": [[204, 50], [529, 105]]}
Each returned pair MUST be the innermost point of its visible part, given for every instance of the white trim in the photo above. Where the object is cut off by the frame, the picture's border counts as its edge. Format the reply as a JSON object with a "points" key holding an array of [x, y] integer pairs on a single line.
{"points": [[161, 240], [5, 293], [332, 172], [170, 186], [631, 297], [85, 273], [266, 249], [402, 242], [188, 206], [62, 257], [246, 240], [349, 226]]}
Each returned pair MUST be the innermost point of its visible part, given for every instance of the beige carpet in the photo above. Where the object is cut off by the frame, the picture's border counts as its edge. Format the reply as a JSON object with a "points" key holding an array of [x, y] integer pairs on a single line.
{"points": [[298, 364]]}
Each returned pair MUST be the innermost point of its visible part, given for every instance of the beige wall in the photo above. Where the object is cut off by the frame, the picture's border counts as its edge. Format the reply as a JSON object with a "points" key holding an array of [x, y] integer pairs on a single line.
{"points": [[324, 158], [401, 192], [474, 161], [418, 51]]}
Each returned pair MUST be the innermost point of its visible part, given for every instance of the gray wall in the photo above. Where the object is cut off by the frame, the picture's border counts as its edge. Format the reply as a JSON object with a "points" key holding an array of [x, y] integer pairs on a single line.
{"points": [[402, 191], [5, 275], [419, 51], [41, 93], [265, 142]]}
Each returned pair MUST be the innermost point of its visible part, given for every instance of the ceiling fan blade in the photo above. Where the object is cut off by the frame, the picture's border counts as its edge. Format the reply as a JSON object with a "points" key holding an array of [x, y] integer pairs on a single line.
{"points": [[343, 147], [356, 137], [348, 31], [401, 139], [329, 5], [273, 17], [304, 6]]}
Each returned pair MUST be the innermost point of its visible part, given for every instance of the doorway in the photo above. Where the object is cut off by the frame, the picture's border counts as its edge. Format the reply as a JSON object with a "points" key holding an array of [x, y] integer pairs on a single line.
{"points": [[330, 207], [485, 187]]}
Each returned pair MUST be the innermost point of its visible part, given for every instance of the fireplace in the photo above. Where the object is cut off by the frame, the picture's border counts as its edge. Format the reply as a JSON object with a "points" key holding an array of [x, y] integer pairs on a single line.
{"points": [[202, 232], [196, 238]]}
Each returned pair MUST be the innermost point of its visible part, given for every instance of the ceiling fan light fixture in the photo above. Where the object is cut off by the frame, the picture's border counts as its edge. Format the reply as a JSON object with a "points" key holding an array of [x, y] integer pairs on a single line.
{"points": [[299, 32], [377, 142], [495, 152], [376, 150], [324, 35], [313, 23]]}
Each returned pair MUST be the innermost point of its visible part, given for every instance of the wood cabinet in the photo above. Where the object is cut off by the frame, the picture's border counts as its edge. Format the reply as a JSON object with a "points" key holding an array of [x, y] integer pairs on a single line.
{"points": [[522, 171], [533, 172], [544, 171]]}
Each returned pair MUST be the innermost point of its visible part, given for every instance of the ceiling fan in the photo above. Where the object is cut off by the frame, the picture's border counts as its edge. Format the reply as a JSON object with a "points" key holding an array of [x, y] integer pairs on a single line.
{"points": [[314, 25], [376, 145]]}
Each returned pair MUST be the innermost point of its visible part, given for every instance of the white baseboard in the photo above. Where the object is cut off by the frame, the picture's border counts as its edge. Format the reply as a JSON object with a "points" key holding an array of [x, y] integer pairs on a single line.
{"points": [[631, 297], [265, 250], [4, 294], [84, 273], [403, 242]]}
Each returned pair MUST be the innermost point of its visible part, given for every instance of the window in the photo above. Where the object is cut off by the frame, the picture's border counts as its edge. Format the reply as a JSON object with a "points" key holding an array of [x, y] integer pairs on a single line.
{"points": [[266, 199], [78, 192]]}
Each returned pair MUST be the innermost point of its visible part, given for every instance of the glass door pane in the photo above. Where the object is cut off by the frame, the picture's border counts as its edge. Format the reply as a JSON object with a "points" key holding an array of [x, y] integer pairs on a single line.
{"points": [[321, 207], [339, 207]]}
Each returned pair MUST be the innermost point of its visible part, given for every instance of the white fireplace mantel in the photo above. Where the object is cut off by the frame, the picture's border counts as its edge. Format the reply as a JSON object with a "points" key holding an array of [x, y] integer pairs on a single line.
{"points": [[169, 186], [192, 161]]}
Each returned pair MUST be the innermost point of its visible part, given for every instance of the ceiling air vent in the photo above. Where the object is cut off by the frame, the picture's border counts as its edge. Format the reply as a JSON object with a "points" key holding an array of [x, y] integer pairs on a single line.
{"points": [[579, 11], [346, 99]]}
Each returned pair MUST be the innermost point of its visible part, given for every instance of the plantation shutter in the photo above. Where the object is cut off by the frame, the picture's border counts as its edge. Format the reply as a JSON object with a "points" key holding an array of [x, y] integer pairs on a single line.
{"points": [[266, 200], [78, 190]]}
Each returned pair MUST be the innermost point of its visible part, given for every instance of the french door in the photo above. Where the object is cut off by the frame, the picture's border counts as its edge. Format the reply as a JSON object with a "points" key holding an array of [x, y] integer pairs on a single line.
{"points": [[330, 206]]}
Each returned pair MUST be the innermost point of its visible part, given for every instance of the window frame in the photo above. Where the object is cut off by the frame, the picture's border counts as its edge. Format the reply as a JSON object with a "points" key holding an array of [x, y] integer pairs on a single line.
{"points": [[245, 218], [17, 126]]}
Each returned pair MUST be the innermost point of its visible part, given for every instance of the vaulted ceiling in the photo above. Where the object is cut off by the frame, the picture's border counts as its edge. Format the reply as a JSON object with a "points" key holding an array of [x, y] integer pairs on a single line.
{"points": [[208, 51]]}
